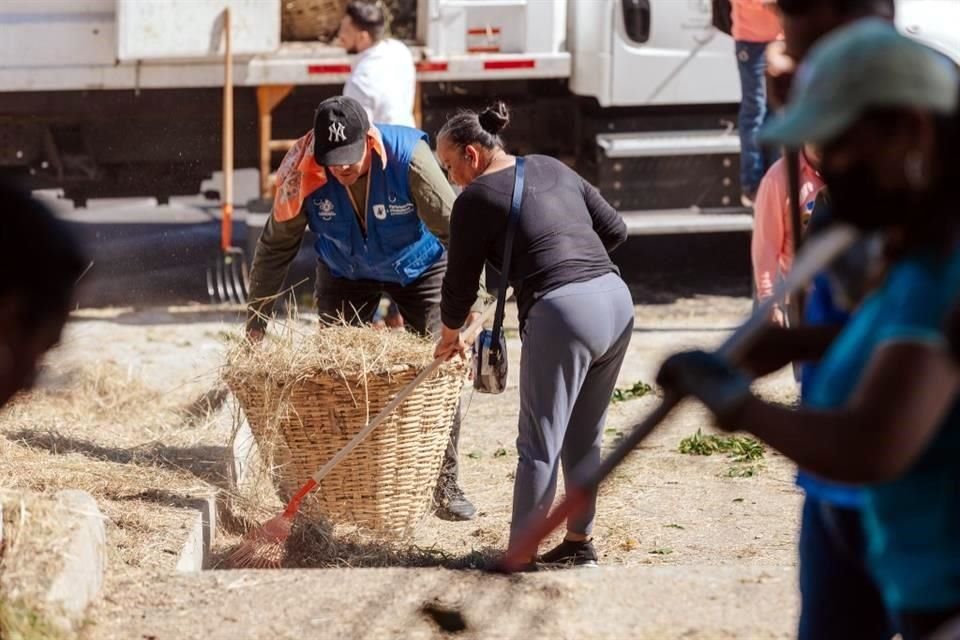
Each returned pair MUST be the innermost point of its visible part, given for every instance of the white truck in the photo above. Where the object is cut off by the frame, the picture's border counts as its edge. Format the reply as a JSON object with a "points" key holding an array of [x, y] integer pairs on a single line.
{"points": [[123, 97]]}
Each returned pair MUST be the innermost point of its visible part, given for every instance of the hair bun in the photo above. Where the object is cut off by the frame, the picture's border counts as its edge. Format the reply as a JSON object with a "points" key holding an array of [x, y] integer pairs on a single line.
{"points": [[494, 118]]}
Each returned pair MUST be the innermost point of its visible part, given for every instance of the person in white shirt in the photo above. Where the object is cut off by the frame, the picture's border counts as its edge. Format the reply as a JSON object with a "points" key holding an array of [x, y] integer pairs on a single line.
{"points": [[383, 79]]}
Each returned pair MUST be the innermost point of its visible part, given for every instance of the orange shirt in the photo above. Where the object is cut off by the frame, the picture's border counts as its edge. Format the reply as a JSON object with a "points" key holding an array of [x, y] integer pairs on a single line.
{"points": [[299, 174], [755, 21], [772, 245]]}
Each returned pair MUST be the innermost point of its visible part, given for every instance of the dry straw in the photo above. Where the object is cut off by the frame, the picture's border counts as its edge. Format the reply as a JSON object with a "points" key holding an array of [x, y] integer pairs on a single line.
{"points": [[31, 553], [307, 393], [84, 429]]}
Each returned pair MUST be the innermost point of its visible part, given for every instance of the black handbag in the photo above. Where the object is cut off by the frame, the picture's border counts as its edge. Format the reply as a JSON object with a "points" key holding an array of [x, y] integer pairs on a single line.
{"points": [[490, 348]]}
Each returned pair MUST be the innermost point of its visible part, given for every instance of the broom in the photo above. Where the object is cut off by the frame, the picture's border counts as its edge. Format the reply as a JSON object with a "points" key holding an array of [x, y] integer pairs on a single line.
{"points": [[819, 253], [265, 546]]}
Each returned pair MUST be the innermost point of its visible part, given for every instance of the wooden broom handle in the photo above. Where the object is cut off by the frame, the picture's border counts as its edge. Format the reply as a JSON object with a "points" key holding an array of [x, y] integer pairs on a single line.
{"points": [[226, 205]]}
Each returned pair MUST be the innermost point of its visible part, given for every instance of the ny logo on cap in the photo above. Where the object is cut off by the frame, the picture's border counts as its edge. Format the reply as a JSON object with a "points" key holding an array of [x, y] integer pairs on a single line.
{"points": [[337, 133]]}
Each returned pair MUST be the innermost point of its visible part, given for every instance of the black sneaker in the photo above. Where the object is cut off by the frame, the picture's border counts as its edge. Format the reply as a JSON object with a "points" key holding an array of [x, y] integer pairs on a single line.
{"points": [[570, 554], [453, 505]]}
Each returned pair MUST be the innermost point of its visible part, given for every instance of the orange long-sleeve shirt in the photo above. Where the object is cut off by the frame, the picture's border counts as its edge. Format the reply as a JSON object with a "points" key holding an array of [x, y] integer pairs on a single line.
{"points": [[772, 243]]}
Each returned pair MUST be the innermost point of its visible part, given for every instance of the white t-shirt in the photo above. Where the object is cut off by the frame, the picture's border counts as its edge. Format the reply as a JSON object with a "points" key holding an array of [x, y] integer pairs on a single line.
{"points": [[383, 81]]}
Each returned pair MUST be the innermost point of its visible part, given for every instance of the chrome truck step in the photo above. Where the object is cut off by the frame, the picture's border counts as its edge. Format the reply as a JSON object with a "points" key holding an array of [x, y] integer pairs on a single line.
{"points": [[677, 179], [668, 143], [679, 221]]}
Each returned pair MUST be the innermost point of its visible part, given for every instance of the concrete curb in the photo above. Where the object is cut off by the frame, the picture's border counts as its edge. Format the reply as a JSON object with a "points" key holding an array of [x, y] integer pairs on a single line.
{"points": [[80, 580], [194, 555]]}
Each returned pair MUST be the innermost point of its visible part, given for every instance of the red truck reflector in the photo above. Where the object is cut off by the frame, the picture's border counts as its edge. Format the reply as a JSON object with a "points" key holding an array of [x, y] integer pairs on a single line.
{"points": [[328, 68], [495, 65], [428, 67]]}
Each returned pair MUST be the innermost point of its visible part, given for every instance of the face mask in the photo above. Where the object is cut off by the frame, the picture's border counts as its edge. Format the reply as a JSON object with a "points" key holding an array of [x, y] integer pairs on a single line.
{"points": [[856, 199], [853, 274]]}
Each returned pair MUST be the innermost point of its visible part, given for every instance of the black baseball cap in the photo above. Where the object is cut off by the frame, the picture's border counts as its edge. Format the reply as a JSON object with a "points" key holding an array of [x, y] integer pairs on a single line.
{"points": [[339, 131]]}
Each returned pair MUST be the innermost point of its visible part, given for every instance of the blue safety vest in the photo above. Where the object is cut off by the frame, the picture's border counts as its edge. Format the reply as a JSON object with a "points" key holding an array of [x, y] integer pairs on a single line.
{"points": [[398, 247]]}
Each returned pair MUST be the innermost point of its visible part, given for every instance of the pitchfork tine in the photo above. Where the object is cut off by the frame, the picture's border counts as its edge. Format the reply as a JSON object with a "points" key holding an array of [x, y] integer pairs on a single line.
{"points": [[235, 271]]}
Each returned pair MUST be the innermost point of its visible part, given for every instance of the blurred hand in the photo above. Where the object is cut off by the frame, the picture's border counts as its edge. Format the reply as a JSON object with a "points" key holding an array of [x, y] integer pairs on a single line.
{"points": [[707, 377], [778, 317], [780, 70]]}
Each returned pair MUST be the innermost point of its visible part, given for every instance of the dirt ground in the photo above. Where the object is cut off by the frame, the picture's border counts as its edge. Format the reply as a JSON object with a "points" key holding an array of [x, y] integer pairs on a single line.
{"points": [[688, 548]]}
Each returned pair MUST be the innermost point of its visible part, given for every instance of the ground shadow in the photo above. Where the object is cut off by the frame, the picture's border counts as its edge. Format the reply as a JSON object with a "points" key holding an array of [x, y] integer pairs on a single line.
{"points": [[313, 545], [208, 463], [211, 464], [157, 316]]}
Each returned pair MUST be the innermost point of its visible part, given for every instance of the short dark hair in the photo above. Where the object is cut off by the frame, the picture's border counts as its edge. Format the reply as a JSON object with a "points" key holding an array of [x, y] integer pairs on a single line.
{"points": [[40, 260], [368, 16], [846, 8]]}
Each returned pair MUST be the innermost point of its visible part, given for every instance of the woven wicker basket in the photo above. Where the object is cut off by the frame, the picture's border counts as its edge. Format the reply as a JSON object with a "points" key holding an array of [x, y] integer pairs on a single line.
{"points": [[387, 483]]}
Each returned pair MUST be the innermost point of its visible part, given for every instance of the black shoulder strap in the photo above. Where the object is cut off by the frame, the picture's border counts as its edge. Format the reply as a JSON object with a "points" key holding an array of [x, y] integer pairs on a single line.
{"points": [[512, 222]]}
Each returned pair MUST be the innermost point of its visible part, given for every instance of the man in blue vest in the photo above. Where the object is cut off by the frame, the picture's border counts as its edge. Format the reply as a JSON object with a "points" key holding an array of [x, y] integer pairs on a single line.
{"points": [[379, 206]]}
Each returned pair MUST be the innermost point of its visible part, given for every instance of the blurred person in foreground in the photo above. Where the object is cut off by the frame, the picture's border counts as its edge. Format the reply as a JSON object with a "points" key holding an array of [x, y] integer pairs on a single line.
{"points": [[34, 302], [882, 410], [837, 590], [804, 23]]}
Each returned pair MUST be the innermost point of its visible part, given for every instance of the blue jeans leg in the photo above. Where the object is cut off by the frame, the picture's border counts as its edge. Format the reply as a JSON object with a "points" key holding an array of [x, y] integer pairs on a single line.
{"points": [[839, 599], [751, 63]]}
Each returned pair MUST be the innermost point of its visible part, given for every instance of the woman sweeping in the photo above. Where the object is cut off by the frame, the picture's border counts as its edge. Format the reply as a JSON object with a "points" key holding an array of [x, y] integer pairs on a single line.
{"points": [[576, 314], [882, 410]]}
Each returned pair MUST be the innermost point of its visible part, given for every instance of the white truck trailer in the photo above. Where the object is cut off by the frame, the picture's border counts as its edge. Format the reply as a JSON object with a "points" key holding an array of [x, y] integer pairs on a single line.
{"points": [[123, 97]]}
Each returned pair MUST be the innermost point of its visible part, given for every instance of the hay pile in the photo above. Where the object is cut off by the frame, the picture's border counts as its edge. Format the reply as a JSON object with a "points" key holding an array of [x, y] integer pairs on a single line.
{"points": [[101, 429], [306, 20], [351, 352], [305, 394], [319, 20], [99, 398]]}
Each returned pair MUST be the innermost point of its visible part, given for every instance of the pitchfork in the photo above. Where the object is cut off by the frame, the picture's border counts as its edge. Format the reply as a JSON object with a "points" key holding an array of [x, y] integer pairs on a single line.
{"points": [[228, 279]]}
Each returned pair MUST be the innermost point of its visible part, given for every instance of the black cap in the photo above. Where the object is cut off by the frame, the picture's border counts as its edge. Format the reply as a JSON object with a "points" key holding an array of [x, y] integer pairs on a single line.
{"points": [[339, 132]]}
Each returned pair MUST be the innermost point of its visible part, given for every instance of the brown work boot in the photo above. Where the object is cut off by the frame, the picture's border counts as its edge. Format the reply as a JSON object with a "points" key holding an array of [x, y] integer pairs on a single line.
{"points": [[452, 504]]}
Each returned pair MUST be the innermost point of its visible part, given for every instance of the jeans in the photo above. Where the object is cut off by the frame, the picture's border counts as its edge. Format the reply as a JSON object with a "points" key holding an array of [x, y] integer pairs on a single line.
{"points": [[838, 597], [754, 160]]}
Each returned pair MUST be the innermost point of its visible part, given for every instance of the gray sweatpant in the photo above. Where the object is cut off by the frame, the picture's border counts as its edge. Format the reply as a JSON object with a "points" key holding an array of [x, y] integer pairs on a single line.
{"points": [[574, 342]]}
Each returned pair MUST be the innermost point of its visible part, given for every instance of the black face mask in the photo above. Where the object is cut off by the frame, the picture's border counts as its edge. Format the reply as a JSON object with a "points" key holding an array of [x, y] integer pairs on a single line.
{"points": [[857, 199]]}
